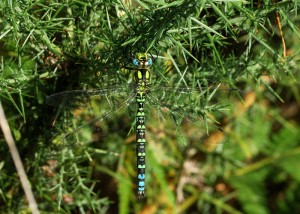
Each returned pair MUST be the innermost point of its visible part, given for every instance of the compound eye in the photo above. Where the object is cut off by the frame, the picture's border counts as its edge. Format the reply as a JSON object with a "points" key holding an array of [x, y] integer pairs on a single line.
{"points": [[135, 62], [149, 62]]}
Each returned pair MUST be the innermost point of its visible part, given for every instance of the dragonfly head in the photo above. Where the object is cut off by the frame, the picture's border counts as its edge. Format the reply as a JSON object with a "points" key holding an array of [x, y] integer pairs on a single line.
{"points": [[142, 61]]}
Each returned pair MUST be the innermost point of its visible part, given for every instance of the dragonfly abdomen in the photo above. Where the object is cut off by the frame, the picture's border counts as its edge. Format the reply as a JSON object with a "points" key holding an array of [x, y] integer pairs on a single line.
{"points": [[140, 144]]}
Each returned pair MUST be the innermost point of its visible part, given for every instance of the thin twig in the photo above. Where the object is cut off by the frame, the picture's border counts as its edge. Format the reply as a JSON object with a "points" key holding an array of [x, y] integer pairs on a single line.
{"points": [[18, 163], [281, 34]]}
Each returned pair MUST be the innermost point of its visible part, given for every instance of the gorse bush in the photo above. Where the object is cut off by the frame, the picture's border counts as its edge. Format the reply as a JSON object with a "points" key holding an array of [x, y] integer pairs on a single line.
{"points": [[251, 47]]}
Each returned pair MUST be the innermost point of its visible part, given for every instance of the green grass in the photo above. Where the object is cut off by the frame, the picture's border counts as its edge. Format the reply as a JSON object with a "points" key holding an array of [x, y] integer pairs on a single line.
{"points": [[49, 46]]}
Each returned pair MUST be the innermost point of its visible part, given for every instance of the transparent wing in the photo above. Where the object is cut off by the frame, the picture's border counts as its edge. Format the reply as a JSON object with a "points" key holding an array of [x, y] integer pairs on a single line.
{"points": [[204, 95], [81, 98], [96, 114], [192, 111]]}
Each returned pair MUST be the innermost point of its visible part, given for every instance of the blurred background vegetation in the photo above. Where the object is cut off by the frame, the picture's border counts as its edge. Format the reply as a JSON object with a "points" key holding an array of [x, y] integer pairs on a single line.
{"points": [[52, 46]]}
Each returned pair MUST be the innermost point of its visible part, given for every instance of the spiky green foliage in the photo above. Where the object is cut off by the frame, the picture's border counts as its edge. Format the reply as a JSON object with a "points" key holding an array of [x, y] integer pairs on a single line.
{"points": [[52, 46]]}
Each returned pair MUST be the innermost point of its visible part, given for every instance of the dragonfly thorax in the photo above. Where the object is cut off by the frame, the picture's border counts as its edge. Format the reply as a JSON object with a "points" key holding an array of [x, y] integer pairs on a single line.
{"points": [[142, 77]]}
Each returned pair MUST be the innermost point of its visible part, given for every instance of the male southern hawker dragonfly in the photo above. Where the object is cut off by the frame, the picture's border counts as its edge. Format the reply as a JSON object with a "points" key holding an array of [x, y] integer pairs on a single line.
{"points": [[187, 107]]}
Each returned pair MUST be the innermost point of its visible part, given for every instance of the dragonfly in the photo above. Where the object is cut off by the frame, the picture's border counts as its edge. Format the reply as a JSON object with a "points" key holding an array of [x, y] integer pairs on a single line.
{"points": [[164, 99]]}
